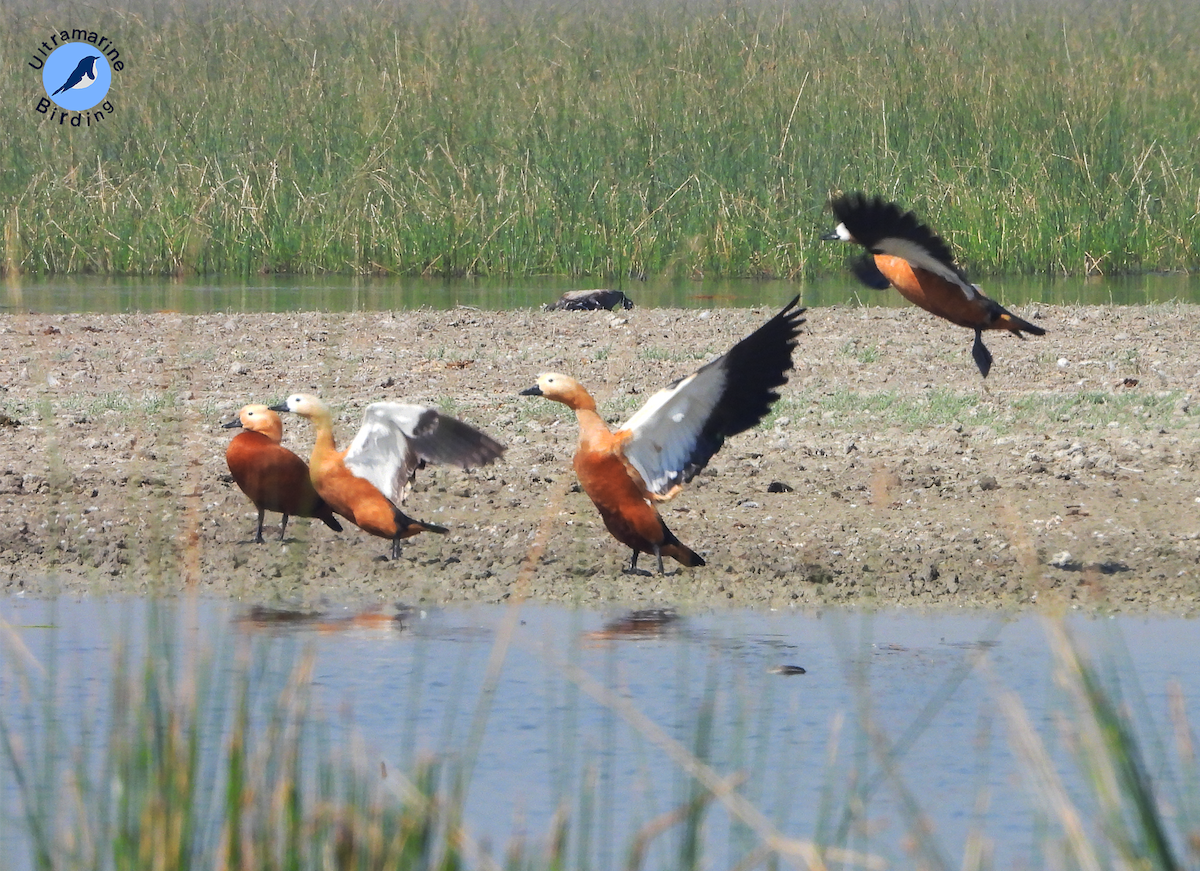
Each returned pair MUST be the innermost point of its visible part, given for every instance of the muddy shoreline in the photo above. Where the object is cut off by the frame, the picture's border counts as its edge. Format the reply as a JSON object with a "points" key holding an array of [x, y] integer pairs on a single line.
{"points": [[1068, 478]]}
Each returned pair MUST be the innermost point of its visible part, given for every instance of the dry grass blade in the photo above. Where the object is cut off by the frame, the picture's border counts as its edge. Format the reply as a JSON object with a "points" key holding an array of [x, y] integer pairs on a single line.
{"points": [[1111, 758], [804, 853], [1110, 761], [667, 821], [1045, 784], [16, 644]]}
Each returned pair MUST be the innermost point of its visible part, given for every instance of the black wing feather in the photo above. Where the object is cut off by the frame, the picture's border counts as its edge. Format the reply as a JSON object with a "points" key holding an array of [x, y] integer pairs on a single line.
{"points": [[872, 219], [439, 438], [868, 273], [754, 367]]}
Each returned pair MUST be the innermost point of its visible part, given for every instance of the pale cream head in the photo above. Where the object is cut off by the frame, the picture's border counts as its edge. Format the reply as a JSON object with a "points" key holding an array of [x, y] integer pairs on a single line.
{"points": [[260, 419], [305, 405], [561, 388]]}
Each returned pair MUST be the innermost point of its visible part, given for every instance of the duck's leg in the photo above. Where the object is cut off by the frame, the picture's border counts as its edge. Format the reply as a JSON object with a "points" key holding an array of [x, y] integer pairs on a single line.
{"points": [[658, 554], [395, 549], [983, 357], [258, 539], [283, 527], [633, 563]]}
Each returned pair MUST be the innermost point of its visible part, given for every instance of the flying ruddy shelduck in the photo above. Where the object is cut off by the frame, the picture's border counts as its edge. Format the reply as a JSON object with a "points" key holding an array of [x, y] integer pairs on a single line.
{"points": [[674, 435], [367, 482], [273, 477], [907, 255]]}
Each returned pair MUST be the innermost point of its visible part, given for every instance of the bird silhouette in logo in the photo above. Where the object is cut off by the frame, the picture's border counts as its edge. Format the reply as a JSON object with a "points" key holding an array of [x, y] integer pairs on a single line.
{"points": [[83, 76]]}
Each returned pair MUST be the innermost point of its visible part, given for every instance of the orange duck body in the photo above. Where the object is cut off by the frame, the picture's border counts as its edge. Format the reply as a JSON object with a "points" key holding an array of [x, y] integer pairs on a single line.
{"points": [[360, 501], [367, 482], [905, 254], [273, 477], [673, 436], [619, 493]]}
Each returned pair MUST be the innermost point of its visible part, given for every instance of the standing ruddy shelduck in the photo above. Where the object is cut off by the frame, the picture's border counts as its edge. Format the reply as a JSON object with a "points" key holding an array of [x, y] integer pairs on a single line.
{"points": [[674, 435], [273, 477], [907, 255], [367, 482]]}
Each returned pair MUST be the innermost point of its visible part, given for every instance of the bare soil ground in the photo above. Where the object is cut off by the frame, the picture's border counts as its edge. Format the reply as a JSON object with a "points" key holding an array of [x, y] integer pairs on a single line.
{"points": [[1068, 477]]}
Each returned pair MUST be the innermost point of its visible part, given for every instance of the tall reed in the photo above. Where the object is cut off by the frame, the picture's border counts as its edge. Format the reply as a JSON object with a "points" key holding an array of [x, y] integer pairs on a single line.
{"points": [[209, 762], [605, 139], [218, 761], [1123, 819]]}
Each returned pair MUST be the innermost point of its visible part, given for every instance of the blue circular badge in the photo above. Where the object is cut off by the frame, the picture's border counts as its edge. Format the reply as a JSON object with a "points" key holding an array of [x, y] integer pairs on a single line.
{"points": [[76, 76]]}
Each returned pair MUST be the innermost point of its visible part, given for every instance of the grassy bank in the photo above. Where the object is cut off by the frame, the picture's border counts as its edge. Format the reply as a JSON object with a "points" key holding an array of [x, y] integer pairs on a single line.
{"points": [[605, 139]]}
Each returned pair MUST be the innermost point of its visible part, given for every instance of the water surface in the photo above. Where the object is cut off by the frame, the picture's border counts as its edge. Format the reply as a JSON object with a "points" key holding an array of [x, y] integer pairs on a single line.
{"points": [[341, 294], [927, 683]]}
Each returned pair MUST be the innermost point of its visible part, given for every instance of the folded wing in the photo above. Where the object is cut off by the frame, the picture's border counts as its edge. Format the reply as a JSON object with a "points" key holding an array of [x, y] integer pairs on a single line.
{"points": [[677, 432]]}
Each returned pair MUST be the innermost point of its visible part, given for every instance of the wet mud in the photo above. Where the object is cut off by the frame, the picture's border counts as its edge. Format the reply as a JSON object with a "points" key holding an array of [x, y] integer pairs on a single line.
{"points": [[889, 473]]}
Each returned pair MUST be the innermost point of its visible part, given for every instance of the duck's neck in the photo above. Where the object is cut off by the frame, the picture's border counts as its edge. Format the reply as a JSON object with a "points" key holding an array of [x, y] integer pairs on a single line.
{"points": [[589, 419], [273, 431], [324, 446], [593, 431]]}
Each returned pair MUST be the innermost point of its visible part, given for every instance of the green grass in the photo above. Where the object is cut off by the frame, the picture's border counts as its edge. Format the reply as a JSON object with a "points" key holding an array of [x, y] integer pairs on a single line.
{"points": [[218, 760], [610, 139], [863, 354], [1121, 820], [85, 406], [869, 412], [676, 355]]}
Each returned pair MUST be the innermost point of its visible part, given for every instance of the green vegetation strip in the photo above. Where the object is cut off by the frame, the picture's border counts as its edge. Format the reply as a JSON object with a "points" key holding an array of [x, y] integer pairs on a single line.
{"points": [[605, 139], [859, 411]]}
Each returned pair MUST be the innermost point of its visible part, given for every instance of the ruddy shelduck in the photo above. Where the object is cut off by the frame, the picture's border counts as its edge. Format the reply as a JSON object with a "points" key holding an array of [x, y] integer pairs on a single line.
{"points": [[367, 482], [907, 255], [273, 477], [674, 435]]}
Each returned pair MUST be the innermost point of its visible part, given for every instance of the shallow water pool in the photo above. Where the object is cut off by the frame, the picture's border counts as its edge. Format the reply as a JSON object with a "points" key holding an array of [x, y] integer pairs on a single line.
{"points": [[852, 728], [202, 295]]}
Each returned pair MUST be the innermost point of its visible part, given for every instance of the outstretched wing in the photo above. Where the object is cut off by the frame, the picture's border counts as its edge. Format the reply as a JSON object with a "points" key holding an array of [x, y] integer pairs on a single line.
{"points": [[440, 438], [381, 452], [883, 228], [397, 438], [676, 433]]}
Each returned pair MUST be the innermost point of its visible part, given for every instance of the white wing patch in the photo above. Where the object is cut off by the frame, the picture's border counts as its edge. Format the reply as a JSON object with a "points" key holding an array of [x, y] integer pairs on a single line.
{"points": [[381, 452], [665, 432], [918, 256], [396, 438]]}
